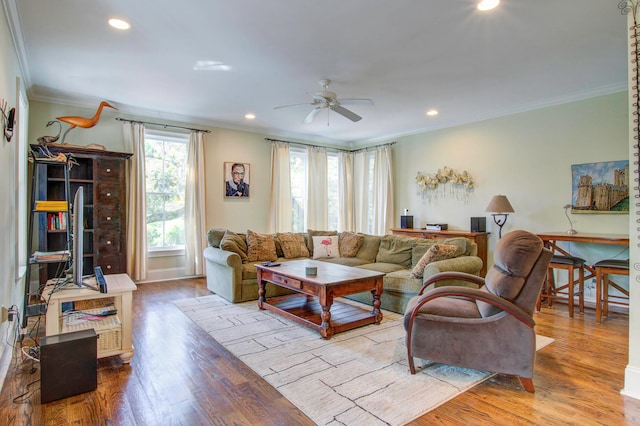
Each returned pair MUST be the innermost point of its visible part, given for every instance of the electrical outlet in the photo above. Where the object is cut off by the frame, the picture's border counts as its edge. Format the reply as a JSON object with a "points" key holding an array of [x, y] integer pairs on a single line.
{"points": [[5, 314]]}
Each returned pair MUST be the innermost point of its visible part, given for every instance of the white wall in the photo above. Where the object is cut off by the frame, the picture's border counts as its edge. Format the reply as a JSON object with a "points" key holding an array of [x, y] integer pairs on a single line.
{"points": [[526, 157]]}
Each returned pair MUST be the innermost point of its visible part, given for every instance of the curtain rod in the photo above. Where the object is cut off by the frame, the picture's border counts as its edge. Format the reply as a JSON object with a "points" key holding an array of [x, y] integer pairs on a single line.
{"points": [[337, 149], [163, 125]]}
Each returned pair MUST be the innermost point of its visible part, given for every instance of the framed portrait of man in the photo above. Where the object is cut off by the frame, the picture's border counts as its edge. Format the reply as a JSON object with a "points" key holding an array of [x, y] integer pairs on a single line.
{"points": [[236, 179]]}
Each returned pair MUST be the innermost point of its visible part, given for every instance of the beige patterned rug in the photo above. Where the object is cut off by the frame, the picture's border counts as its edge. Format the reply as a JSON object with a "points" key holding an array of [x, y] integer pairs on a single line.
{"points": [[357, 377]]}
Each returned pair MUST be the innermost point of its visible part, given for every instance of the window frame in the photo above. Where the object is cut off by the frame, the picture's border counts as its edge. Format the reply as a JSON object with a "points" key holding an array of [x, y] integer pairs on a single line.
{"points": [[174, 137]]}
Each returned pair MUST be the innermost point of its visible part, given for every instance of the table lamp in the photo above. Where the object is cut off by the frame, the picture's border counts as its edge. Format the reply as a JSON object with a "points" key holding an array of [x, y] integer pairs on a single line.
{"points": [[571, 231], [499, 206]]}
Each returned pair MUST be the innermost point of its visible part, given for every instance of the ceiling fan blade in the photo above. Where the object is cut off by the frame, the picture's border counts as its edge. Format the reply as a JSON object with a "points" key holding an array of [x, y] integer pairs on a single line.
{"points": [[346, 113], [311, 115], [287, 106], [356, 101]]}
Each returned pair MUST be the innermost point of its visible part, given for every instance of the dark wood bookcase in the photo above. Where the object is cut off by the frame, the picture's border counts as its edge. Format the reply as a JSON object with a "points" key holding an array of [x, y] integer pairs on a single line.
{"points": [[101, 174]]}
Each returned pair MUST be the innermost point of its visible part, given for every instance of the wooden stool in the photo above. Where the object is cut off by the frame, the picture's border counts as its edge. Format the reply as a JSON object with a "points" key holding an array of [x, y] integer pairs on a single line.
{"points": [[550, 290], [604, 268]]}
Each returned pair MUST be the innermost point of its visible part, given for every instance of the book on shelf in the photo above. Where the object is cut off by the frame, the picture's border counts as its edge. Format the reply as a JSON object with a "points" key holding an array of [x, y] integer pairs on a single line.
{"points": [[57, 221], [51, 255], [48, 205]]}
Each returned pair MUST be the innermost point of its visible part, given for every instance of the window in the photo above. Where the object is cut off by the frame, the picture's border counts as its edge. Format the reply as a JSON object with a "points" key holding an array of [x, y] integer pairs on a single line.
{"points": [[166, 167], [298, 161], [298, 176]]}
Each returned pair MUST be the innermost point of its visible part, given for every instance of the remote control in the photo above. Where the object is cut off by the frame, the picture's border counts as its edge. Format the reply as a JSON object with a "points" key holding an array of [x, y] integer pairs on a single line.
{"points": [[102, 283]]}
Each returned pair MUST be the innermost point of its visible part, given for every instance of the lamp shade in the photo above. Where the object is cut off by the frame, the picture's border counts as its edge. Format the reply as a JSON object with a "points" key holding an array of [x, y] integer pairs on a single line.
{"points": [[499, 204]]}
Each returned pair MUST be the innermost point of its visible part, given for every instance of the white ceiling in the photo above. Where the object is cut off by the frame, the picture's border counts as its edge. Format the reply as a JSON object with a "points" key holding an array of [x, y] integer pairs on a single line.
{"points": [[406, 55]]}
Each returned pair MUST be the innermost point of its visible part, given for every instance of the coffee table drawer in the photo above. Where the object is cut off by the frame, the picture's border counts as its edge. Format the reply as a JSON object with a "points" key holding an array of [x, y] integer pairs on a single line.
{"points": [[285, 281]]}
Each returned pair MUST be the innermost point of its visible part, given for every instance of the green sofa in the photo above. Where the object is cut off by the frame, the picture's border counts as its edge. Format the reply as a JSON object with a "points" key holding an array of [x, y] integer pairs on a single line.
{"points": [[232, 276]]}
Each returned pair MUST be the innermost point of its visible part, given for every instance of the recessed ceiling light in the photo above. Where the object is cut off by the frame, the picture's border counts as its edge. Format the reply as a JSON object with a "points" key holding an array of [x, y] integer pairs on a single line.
{"points": [[488, 4], [432, 112], [211, 66], [119, 24], [250, 116]]}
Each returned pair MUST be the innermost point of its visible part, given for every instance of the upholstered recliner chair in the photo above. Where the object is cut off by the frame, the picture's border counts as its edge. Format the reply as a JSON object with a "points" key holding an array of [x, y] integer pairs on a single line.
{"points": [[489, 328]]}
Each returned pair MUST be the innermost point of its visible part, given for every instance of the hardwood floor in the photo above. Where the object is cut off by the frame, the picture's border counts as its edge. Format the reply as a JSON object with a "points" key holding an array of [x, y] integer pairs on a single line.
{"points": [[181, 376]]}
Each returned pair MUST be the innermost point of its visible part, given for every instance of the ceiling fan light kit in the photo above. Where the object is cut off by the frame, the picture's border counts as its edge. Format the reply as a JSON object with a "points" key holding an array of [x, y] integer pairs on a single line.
{"points": [[329, 100]]}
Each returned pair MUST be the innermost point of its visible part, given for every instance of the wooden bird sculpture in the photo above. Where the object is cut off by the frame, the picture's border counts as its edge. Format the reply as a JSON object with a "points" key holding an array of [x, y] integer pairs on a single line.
{"points": [[75, 121], [46, 140]]}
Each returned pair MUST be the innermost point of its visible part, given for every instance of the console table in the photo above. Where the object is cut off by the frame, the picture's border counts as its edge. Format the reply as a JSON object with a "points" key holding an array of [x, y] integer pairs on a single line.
{"points": [[119, 286], [480, 238]]}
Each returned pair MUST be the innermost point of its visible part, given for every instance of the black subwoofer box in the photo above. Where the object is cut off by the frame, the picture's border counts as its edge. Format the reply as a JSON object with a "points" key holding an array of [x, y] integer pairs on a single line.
{"points": [[68, 364], [478, 224], [406, 222]]}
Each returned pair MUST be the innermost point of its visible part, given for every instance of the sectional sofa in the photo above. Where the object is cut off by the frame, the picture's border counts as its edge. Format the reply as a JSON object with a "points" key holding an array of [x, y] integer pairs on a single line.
{"points": [[231, 257]]}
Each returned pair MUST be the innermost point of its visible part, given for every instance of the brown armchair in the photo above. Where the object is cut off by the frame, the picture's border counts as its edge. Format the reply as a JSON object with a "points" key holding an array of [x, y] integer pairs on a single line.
{"points": [[489, 328]]}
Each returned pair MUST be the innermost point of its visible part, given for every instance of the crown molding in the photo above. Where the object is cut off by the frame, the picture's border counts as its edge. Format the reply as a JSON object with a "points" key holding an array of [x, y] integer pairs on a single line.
{"points": [[15, 28]]}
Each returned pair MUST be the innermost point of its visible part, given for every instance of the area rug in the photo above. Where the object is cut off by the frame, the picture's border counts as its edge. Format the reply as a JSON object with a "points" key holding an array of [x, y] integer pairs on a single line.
{"points": [[357, 377]]}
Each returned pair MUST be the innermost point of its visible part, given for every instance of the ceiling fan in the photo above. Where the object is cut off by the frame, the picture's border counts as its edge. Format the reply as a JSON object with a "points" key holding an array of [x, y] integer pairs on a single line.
{"points": [[329, 101]]}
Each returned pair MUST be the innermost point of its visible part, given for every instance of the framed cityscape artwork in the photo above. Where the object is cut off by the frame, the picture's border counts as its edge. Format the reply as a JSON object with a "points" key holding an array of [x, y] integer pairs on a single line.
{"points": [[600, 187]]}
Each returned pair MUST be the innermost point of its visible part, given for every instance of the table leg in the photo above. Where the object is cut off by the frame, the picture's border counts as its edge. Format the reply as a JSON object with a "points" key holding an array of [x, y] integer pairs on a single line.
{"points": [[261, 290], [326, 329], [376, 293]]}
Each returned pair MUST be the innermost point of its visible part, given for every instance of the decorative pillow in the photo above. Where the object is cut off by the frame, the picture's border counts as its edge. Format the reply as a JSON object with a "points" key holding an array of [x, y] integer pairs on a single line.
{"points": [[260, 247], [311, 233], [395, 249], [436, 252], [349, 244], [215, 235], [235, 243], [293, 245], [326, 247]]}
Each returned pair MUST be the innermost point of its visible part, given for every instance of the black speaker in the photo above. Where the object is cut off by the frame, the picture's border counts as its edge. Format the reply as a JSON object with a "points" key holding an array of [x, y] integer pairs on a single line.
{"points": [[68, 364], [406, 222], [478, 224]]}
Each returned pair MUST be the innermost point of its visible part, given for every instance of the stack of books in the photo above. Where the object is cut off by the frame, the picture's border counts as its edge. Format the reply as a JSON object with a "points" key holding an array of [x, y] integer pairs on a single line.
{"points": [[43, 256], [51, 206]]}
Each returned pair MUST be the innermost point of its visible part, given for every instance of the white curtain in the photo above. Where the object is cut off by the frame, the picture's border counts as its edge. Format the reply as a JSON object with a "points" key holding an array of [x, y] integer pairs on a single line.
{"points": [[280, 213], [136, 205], [317, 189], [347, 218], [194, 206], [361, 191], [382, 191]]}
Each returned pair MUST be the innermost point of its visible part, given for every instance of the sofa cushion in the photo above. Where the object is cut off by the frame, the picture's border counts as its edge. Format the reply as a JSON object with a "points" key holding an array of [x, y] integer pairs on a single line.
{"points": [[349, 243], [293, 245], [260, 247], [346, 261], [369, 248], [436, 252], [325, 247], [382, 267], [236, 243], [214, 236], [402, 282], [249, 271], [311, 233], [394, 249]]}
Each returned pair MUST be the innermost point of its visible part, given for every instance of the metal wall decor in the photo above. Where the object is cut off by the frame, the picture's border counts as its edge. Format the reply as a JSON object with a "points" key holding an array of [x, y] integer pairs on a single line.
{"points": [[8, 120], [459, 184]]}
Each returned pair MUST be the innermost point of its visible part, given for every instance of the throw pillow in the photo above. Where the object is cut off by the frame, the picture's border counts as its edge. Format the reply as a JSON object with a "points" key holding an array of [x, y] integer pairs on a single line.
{"points": [[293, 245], [235, 243], [311, 233], [326, 247], [436, 252], [215, 235], [260, 247], [349, 244]]}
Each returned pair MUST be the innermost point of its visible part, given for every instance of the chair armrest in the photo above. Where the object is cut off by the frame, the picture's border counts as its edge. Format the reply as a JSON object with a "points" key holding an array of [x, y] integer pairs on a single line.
{"points": [[452, 275], [475, 294], [222, 257]]}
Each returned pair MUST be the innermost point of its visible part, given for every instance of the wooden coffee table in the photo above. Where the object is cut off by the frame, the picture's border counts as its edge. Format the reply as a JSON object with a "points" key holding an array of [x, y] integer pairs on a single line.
{"points": [[313, 305]]}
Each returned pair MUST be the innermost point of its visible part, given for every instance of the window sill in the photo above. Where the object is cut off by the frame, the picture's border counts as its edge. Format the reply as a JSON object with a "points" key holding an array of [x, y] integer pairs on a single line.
{"points": [[166, 252]]}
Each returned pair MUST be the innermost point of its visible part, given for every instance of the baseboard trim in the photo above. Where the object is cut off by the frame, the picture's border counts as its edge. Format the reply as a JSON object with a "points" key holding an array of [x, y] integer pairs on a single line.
{"points": [[631, 382], [5, 362], [168, 274]]}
